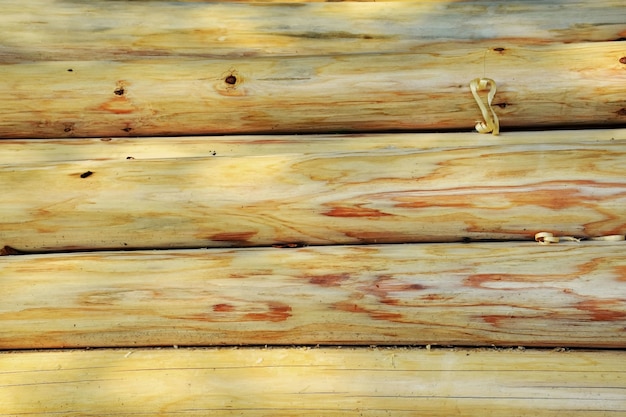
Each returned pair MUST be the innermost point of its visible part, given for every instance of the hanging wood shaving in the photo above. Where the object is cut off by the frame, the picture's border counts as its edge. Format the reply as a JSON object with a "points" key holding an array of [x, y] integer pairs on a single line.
{"points": [[546, 238], [491, 124]]}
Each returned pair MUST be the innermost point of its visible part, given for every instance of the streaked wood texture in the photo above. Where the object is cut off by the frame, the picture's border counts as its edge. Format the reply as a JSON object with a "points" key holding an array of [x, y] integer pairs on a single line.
{"points": [[27, 151], [386, 195], [38, 30], [356, 92], [569, 294], [313, 382], [160, 68]]}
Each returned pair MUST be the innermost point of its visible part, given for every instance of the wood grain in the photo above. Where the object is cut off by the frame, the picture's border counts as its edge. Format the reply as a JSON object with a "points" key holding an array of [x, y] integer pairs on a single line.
{"points": [[570, 294], [177, 68], [27, 151], [340, 93], [311, 382], [39, 30], [507, 192]]}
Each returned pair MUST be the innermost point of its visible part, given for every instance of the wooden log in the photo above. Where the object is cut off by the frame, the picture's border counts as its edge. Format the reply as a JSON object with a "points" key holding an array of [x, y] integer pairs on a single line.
{"points": [[313, 382], [27, 151], [460, 294], [133, 29], [507, 192], [338, 93], [38, 30], [221, 67]]}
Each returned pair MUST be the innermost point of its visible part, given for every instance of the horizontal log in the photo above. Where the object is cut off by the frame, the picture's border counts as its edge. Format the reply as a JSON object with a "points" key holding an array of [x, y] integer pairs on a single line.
{"points": [[100, 29], [338, 93], [507, 192], [27, 151], [313, 382], [569, 294]]}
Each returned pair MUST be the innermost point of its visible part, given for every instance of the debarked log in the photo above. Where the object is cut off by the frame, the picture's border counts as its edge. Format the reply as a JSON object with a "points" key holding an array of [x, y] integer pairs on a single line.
{"points": [[537, 86], [66, 30], [505, 192], [507, 294], [314, 382], [27, 151]]}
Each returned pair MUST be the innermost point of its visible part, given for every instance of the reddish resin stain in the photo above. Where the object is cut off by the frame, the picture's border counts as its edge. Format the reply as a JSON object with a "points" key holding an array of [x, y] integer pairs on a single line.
{"points": [[384, 285], [436, 201], [553, 195], [376, 237], [495, 319], [383, 289], [274, 312], [223, 308], [551, 199], [232, 236], [349, 307], [277, 312], [478, 280], [621, 273], [482, 280], [328, 280], [117, 105], [600, 310], [374, 314], [381, 315], [354, 212]]}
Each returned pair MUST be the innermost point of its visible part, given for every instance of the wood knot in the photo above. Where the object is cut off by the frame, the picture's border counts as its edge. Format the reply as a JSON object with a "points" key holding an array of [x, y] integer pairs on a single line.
{"points": [[230, 84]]}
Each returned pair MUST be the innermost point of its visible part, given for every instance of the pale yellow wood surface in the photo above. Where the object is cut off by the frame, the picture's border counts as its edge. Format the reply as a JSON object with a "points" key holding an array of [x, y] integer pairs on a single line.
{"points": [[313, 382], [26, 151], [103, 68], [555, 85], [377, 196], [65, 30], [569, 294]]}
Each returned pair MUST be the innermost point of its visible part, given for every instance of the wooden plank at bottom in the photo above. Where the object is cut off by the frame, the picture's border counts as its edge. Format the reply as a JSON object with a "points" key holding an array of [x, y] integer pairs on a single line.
{"points": [[569, 294], [313, 382]]}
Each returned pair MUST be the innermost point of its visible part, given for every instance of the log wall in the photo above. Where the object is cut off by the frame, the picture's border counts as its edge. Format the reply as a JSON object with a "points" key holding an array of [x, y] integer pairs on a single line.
{"points": [[138, 255]]}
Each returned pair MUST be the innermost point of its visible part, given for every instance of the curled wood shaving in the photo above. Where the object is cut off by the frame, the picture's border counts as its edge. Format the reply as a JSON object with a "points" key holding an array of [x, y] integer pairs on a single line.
{"points": [[491, 123], [546, 238]]}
